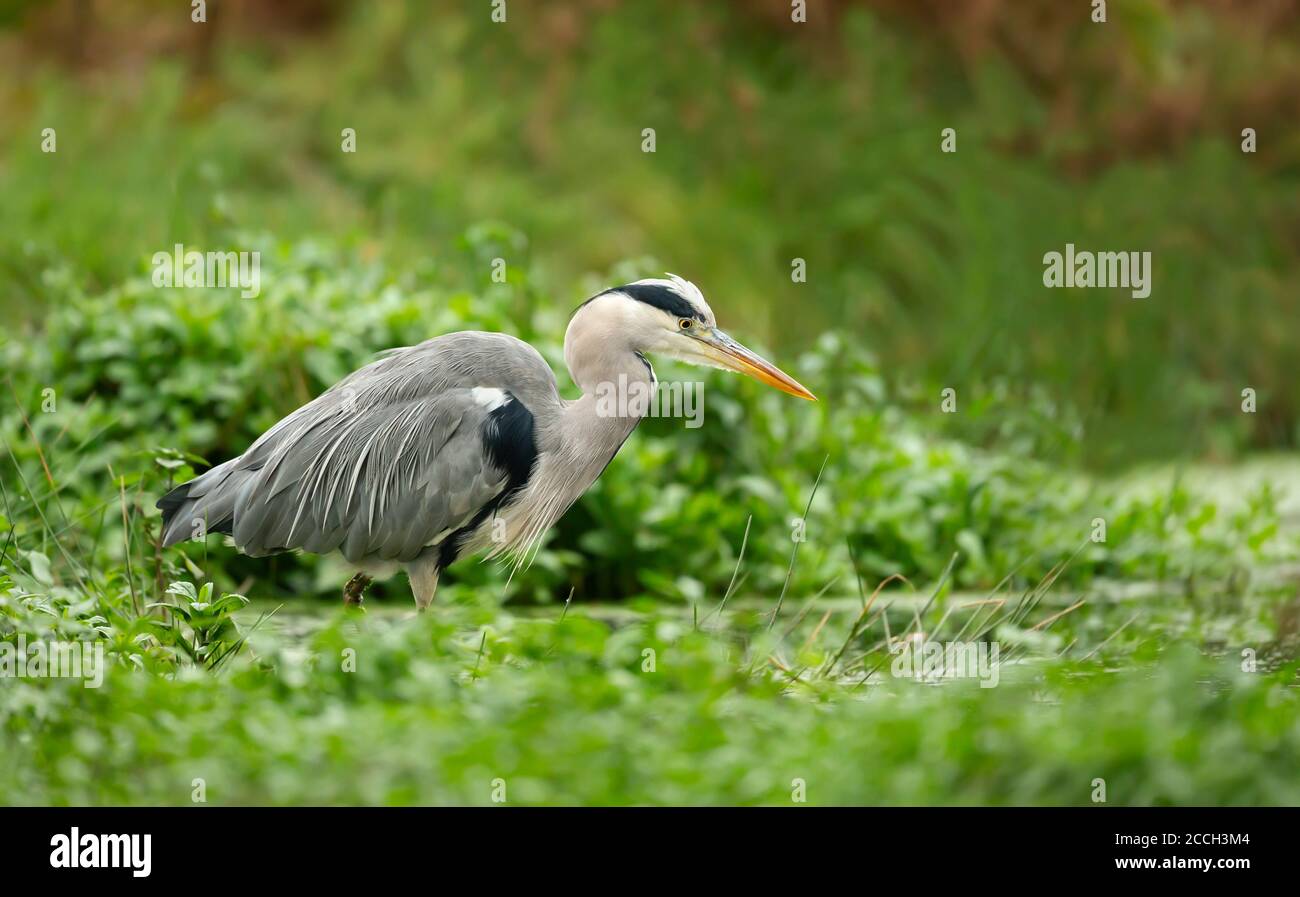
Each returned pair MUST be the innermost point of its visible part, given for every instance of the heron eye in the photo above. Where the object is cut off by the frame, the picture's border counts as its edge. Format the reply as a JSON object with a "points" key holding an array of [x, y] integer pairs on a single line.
{"points": [[685, 323]]}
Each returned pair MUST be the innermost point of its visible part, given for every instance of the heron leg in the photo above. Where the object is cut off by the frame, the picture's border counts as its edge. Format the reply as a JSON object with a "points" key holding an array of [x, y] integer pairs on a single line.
{"points": [[355, 590], [424, 582]]}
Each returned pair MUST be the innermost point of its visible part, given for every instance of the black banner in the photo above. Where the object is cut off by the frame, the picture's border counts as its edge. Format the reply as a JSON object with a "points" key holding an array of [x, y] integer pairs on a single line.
{"points": [[133, 846]]}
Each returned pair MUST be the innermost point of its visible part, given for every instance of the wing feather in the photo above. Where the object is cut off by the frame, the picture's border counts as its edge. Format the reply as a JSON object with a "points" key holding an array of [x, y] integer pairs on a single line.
{"points": [[384, 464]]}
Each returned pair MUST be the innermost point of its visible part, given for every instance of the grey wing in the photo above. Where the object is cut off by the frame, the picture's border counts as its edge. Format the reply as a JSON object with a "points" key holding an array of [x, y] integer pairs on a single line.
{"points": [[392, 459], [383, 482]]}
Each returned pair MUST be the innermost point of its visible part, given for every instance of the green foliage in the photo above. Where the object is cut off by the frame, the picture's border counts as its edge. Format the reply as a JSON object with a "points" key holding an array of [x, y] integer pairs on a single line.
{"points": [[733, 704], [202, 626], [136, 367], [436, 709], [773, 144]]}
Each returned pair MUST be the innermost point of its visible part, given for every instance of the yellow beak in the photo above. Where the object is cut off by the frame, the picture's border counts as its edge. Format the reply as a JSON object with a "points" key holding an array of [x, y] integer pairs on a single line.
{"points": [[732, 355]]}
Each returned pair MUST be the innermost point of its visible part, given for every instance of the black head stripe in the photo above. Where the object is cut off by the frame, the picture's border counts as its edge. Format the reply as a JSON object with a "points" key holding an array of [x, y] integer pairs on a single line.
{"points": [[661, 297]]}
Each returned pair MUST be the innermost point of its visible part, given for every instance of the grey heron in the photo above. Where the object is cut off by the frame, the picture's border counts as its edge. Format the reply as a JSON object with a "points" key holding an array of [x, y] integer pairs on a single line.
{"points": [[459, 445]]}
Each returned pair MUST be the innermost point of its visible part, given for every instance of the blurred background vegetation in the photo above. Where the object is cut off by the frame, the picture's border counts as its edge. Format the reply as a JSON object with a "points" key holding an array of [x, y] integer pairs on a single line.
{"points": [[774, 141]]}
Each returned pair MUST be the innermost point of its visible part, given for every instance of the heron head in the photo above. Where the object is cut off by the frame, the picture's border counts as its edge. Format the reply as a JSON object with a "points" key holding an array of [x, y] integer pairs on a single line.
{"points": [[670, 317]]}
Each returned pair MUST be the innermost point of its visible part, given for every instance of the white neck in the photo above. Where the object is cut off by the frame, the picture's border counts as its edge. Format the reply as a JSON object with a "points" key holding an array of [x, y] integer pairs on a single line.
{"points": [[586, 436]]}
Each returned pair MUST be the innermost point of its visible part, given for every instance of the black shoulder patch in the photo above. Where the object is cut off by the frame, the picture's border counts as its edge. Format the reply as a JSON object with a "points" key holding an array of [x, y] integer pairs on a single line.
{"points": [[661, 297], [508, 438]]}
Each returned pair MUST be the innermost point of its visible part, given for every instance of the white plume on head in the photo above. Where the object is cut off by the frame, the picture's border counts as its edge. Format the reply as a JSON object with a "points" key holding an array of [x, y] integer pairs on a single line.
{"points": [[691, 293]]}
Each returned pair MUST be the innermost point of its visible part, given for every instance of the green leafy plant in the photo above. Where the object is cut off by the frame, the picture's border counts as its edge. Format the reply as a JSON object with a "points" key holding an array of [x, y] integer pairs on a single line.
{"points": [[202, 626]]}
